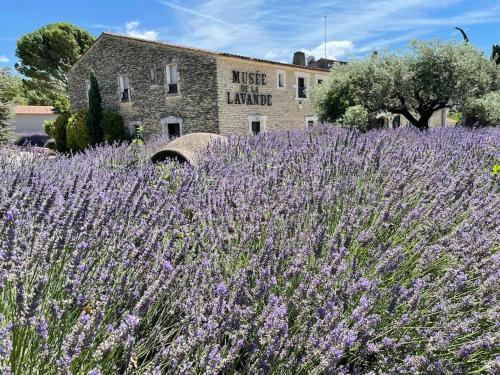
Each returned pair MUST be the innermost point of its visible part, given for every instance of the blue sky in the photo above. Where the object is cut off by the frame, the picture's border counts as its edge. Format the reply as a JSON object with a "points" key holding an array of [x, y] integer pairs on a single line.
{"points": [[263, 28]]}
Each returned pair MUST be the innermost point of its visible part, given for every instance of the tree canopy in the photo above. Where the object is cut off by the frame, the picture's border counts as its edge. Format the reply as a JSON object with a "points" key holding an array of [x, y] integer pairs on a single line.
{"points": [[429, 77], [484, 110], [11, 88], [6, 132], [47, 54], [495, 54]]}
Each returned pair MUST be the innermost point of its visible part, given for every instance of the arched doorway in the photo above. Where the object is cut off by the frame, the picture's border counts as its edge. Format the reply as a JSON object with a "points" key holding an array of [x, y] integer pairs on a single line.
{"points": [[396, 122], [383, 122]]}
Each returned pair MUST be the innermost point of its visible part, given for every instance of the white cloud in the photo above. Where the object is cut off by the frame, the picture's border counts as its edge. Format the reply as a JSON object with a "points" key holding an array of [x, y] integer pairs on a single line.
{"points": [[4, 59], [334, 49], [264, 28], [132, 29]]}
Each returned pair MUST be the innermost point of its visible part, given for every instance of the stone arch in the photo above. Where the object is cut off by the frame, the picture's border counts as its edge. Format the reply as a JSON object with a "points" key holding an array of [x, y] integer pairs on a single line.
{"points": [[186, 149], [396, 121]]}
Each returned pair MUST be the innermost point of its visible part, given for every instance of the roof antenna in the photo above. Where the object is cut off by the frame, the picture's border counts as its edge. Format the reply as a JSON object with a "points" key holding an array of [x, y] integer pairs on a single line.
{"points": [[325, 37]]}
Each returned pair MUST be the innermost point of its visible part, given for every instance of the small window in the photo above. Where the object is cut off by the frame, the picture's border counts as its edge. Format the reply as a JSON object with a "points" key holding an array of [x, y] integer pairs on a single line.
{"points": [[87, 88], [174, 130], [172, 81], [311, 121], [133, 128], [124, 88], [281, 79], [153, 74], [172, 126], [320, 81], [255, 127], [396, 122], [301, 87]]}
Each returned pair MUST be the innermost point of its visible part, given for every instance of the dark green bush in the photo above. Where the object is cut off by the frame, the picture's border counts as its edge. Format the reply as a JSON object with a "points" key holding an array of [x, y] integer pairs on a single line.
{"points": [[113, 127], [77, 133], [57, 129]]}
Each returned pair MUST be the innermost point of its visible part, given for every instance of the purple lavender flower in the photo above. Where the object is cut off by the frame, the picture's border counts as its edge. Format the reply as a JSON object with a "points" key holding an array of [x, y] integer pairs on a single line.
{"points": [[344, 252], [167, 266], [221, 289]]}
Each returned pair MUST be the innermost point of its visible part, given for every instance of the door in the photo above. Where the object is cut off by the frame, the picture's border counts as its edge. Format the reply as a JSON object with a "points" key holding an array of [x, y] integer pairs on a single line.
{"points": [[174, 130], [255, 127]]}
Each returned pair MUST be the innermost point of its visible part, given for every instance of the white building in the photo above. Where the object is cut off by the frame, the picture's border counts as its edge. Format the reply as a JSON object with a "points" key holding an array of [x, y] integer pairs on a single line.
{"points": [[29, 119]]}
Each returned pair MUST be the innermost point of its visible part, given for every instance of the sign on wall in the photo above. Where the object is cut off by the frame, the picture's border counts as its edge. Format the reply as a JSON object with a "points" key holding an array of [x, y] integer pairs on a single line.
{"points": [[249, 89]]}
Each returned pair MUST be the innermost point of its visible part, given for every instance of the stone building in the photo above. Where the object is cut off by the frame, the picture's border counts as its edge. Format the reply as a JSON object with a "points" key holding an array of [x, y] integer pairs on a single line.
{"points": [[174, 90]]}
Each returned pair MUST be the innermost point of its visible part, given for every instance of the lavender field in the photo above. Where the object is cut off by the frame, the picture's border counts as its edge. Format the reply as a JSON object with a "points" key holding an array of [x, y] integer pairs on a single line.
{"points": [[318, 252]]}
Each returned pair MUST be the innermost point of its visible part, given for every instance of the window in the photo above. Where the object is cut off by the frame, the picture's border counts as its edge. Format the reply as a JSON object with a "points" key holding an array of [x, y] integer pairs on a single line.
{"points": [[281, 79], [154, 76], [174, 130], [172, 126], [396, 122], [383, 121], [172, 81], [256, 124], [133, 128], [255, 127], [320, 78], [124, 83], [302, 87], [301, 84], [311, 120]]}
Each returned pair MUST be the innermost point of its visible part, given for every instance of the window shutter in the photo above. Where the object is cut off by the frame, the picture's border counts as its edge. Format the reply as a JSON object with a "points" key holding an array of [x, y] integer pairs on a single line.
{"points": [[167, 74], [120, 84], [158, 74], [152, 73]]}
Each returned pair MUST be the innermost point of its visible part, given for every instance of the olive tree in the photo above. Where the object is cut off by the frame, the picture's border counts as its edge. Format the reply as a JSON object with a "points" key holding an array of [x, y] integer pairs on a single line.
{"points": [[431, 76]]}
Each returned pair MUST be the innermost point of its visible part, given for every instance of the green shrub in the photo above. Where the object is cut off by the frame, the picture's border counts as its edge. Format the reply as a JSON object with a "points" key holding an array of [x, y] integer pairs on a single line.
{"points": [[57, 129], [112, 127], [77, 133], [486, 110], [6, 132], [355, 117]]}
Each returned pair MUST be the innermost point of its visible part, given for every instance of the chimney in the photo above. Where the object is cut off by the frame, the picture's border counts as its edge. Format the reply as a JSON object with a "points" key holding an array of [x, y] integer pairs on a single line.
{"points": [[299, 58]]}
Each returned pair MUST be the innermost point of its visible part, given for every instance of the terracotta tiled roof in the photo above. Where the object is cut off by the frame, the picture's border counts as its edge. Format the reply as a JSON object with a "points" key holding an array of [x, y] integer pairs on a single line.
{"points": [[34, 110], [159, 43]]}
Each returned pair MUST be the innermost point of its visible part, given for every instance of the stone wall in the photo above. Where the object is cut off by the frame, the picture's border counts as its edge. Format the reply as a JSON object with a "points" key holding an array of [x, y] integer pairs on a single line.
{"points": [[113, 56], [286, 112], [439, 118]]}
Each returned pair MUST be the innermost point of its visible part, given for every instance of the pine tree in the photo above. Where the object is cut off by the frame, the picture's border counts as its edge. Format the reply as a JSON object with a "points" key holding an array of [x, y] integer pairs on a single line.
{"points": [[6, 132], [95, 111], [495, 54]]}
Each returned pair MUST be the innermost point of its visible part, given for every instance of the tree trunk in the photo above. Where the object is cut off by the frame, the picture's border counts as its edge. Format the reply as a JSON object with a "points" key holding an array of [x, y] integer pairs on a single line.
{"points": [[423, 122]]}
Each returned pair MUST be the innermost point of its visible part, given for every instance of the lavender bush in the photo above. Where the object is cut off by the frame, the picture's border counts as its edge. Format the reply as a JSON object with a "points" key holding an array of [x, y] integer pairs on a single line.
{"points": [[325, 251]]}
